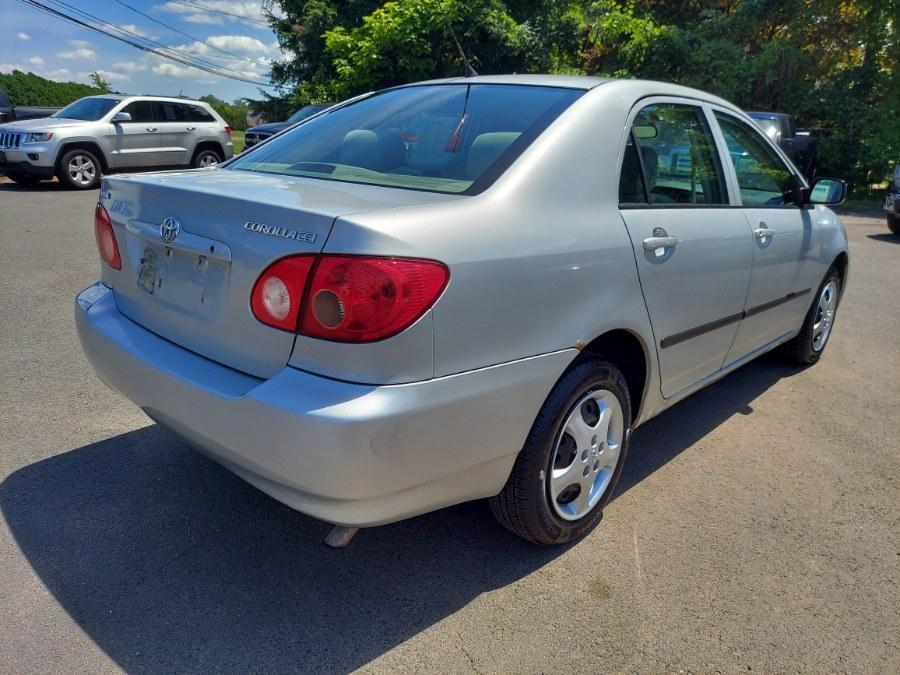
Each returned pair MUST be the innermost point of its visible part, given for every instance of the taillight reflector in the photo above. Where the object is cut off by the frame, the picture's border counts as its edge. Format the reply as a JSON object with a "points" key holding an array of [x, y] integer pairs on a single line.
{"points": [[106, 238]]}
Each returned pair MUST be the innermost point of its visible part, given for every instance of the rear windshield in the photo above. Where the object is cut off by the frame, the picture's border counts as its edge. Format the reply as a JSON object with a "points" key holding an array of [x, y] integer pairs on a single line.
{"points": [[444, 138], [87, 109]]}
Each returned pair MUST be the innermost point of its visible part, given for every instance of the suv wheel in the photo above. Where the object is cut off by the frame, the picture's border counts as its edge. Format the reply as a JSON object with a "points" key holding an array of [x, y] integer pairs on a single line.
{"points": [[572, 459], [79, 169], [206, 158], [893, 223]]}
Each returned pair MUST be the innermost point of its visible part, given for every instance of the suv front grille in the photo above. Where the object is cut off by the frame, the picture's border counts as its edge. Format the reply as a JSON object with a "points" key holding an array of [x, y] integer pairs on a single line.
{"points": [[10, 139], [253, 139]]}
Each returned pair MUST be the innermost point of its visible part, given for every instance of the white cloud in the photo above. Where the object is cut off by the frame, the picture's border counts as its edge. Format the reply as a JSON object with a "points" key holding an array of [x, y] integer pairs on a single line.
{"points": [[59, 75], [204, 19], [238, 43], [107, 75], [236, 10], [175, 70], [9, 67], [80, 44], [81, 53], [23, 36], [129, 67], [132, 28], [36, 61]]}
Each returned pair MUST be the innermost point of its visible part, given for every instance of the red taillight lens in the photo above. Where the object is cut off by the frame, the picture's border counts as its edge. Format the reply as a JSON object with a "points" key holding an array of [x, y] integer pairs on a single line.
{"points": [[362, 299], [228, 130], [106, 238], [277, 294]]}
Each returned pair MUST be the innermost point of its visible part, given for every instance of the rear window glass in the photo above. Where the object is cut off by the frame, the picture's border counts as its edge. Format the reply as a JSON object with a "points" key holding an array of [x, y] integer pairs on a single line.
{"points": [[171, 112], [444, 138], [198, 114]]}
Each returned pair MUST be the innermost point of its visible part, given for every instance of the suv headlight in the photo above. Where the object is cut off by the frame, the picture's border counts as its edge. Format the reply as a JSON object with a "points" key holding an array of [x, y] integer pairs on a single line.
{"points": [[38, 137]]}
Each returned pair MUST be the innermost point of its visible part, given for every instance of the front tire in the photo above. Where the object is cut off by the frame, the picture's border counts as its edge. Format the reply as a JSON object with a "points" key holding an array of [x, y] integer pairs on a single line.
{"points": [[79, 170], [807, 347], [572, 458], [893, 223]]}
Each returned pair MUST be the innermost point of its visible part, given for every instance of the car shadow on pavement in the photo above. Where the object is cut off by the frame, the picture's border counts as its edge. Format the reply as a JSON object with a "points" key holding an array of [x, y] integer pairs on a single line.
{"points": [[170, 563], [890, 238], [43, 186]]}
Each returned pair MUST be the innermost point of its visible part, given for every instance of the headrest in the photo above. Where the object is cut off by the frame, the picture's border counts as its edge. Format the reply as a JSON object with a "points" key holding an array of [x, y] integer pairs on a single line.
{"points": [[485, 150]]}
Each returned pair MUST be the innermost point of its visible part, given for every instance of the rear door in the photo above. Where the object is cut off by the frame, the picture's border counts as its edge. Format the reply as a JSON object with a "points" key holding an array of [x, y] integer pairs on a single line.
{"points": [[137, 143], [175, 130], [780, 289], [693, 249]]}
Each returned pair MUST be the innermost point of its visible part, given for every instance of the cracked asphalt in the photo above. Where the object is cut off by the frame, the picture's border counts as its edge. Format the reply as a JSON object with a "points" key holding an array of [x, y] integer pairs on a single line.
{"points": [[756, 527]]}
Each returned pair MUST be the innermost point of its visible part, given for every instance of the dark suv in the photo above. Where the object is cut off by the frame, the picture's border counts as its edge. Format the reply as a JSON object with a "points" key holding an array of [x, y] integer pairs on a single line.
{"points": [[263, 131]]}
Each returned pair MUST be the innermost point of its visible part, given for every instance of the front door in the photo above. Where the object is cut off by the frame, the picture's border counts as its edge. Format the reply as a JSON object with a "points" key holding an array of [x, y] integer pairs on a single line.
{"points": [[693, 251], [780, 291], [136, 143]]}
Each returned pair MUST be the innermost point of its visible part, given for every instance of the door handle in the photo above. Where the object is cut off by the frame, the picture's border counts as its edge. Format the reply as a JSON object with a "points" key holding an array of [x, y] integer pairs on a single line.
{"points": [[764, 234], [152, 128], [190, 128], [660, 239]]}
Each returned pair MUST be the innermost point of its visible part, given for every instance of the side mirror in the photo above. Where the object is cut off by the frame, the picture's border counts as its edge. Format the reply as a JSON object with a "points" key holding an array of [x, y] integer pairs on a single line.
{"points": [[120, 117], [829, 191]]}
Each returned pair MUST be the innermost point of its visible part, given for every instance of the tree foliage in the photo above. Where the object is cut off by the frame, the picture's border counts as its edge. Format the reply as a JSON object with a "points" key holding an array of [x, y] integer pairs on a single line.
{"points": [[234, 114], [830, 63], [31, 89]]}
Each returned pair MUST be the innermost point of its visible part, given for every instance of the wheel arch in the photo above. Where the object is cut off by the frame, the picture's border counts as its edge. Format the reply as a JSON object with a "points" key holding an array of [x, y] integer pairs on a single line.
{"points": [[208, 145], [90, 146], [841, 264], [629, 352]]}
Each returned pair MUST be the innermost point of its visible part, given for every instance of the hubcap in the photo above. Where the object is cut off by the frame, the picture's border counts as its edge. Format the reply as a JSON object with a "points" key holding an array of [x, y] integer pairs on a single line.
{"points": [[82, 170], [824, 318], [586, 454], [208, 159]]}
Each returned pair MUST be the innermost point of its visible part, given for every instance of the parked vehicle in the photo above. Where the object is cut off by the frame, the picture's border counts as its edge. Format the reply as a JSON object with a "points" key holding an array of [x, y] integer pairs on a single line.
{"points": [[460, 289], [11, 113], [802, 147], [892, 202], [111, 133], [261, 132]]}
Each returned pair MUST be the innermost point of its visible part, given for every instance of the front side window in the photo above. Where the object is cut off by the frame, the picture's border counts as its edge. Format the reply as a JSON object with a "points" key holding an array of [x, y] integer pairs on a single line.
{"points": [[441, 138], [140, 111], [763, 178], [87, 109], [680, 165]]}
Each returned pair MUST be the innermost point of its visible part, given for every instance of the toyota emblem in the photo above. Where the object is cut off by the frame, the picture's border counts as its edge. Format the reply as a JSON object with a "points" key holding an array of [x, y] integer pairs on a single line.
{"points": [[169, 229]]}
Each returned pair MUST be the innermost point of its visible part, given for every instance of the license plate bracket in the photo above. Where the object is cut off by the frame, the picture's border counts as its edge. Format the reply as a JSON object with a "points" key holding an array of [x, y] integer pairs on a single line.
{"points": [[147, 277]]}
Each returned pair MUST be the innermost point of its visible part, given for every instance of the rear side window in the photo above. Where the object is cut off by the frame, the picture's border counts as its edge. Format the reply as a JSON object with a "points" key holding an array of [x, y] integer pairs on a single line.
{"points": [[140, 111], [679, 164], [631, 180], [763, 179], [200, 114], [171, 112], [445, 138]]}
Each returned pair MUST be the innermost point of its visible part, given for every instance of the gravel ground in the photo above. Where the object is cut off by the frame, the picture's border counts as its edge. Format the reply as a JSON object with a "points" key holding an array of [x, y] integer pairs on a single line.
{"points": [[756, 527]]}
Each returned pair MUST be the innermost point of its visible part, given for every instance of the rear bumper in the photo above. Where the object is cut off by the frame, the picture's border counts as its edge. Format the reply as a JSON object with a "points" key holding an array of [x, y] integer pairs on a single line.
{"points": [[347, 453]]}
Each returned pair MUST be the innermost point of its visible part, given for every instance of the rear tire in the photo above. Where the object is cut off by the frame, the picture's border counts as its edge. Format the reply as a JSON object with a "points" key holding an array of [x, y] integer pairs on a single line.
{"points": [[79, 170], [807, 347], [206, 157], [893, 223], [572, 458]]}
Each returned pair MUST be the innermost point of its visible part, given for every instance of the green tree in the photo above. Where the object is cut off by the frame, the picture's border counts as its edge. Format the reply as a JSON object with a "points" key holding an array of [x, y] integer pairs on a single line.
{"points": [[98, 82]]}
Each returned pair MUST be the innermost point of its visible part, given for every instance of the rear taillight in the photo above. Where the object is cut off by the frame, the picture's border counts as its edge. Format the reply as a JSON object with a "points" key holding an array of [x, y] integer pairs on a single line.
{"points": [[228, 130], [278, 293], [106, 238], [348, 298]]}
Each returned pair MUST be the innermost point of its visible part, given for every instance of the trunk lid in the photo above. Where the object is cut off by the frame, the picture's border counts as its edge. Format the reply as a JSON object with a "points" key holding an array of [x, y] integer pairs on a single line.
{"points": [[190, 281]]}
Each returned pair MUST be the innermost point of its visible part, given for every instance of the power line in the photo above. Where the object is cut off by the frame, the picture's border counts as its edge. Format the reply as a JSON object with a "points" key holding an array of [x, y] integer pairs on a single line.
{"points": [[194, 5], [143, 47], [180, 32], [141, 38]]}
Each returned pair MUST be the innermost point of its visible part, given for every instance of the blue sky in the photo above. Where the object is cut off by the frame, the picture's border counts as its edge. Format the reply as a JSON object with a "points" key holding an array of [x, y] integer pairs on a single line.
{"points": [[34, 41]]}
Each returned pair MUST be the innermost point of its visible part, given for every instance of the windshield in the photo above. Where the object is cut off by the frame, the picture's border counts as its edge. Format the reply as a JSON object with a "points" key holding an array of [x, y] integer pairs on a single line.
{"points": [[304, 112], [441, 138], [87, 109]]}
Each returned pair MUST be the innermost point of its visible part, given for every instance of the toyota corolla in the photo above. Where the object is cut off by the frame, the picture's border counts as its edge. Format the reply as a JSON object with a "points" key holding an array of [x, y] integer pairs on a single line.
{"points": [[461, 289]]}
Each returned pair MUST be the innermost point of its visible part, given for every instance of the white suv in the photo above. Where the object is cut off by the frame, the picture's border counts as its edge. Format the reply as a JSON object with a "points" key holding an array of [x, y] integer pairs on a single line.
{"points": [[110, 133]]}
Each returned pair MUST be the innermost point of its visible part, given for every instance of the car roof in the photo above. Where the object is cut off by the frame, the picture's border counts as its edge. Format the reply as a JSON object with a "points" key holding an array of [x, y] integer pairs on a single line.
{"points": [[172, 99], [567, 81]]}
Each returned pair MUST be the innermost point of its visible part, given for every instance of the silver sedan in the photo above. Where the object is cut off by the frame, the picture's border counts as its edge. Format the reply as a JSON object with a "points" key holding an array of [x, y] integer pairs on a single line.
{"points": [[461, 289]]}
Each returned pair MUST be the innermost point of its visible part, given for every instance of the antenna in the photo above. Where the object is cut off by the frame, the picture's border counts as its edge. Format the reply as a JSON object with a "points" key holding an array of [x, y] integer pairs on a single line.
{"points": [[469, 70]]}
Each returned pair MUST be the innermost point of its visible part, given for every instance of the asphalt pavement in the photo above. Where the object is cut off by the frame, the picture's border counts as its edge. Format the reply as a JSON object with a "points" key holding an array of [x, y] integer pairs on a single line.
{"points": [[756, 527]]}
